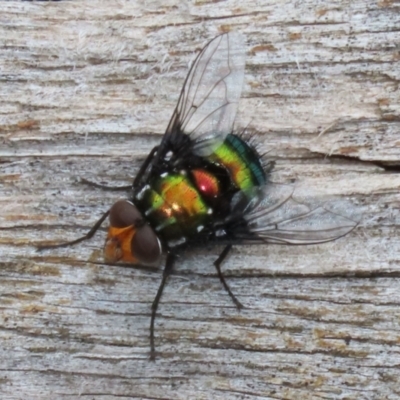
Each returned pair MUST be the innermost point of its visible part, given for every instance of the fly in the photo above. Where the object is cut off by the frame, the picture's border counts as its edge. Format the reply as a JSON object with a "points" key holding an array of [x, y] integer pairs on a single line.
{"points": [[204, 184]]}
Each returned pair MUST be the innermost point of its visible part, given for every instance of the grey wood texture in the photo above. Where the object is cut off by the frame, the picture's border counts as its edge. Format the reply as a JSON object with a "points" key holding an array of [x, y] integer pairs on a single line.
{"points": [[86, 90]]}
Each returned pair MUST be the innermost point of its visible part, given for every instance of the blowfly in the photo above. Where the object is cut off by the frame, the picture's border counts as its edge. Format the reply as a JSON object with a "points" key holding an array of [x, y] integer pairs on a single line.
{"points": [[205, 184]]}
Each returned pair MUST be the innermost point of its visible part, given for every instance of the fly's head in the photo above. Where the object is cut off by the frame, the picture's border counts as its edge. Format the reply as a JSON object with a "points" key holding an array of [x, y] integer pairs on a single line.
{"points": [[130, 238]]}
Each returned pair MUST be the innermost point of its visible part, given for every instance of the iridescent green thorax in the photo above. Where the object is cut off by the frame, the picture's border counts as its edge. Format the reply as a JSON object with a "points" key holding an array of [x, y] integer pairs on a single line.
{"points": [[174, 206], [242, 162]]}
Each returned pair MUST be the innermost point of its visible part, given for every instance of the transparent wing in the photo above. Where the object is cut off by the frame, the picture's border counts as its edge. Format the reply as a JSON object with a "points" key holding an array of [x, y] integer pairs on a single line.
{"points": [[209, 98], [275, 216]]}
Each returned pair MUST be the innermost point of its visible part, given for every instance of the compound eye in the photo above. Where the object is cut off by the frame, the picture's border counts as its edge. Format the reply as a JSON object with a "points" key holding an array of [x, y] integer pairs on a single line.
{"points": [[123, 213], [146, 246]]}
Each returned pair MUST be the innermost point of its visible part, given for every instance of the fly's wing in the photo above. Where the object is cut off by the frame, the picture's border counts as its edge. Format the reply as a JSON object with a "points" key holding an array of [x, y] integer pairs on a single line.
{"points": [[209, 98], [273, 215]]}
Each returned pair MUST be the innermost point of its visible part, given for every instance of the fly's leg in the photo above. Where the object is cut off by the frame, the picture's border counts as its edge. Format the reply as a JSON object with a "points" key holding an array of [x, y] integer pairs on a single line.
{"points": [[143, 168], [105, 187], [90, 234], [125, 187], [217, 264], [167, 271]]}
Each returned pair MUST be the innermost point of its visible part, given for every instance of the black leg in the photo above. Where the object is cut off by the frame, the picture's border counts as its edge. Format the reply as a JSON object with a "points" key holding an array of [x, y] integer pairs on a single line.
{"points": [[167, 271], [92, 231], [105, 187], [125, 187], [143, 168], [217, 264]]}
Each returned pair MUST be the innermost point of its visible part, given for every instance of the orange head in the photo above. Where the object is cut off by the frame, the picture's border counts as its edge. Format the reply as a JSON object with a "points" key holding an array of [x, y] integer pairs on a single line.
{"points": [[130, 238]]}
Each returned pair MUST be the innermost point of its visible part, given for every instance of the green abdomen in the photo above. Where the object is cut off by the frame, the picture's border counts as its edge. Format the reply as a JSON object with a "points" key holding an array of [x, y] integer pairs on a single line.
{"points": [[242, 162]]}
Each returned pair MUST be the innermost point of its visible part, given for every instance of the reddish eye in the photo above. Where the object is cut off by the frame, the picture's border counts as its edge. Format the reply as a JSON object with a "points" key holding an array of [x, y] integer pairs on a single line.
{"points": [[129, 237], [145, 246], [123, 213]]}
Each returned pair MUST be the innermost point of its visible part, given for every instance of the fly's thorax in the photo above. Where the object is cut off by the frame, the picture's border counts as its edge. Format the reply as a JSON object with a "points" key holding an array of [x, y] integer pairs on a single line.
{"points": [[174, 206], [130, 238]]}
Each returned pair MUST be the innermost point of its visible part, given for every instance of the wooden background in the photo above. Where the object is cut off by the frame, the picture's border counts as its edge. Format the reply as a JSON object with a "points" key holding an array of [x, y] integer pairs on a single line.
{"points": [[86, 90]]}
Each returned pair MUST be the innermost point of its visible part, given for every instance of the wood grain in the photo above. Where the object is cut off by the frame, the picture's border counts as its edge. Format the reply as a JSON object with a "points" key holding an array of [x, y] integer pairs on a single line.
{"points": [[87, 89]]}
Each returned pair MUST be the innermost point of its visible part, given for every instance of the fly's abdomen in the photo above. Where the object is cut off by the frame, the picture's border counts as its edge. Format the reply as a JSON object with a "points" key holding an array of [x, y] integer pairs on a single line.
{"points": [[175, 208], [241, 161]]}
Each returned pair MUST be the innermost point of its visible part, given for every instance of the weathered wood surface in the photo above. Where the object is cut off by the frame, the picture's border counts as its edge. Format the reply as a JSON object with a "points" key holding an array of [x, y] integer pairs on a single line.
{"points": [[87, 89]]}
